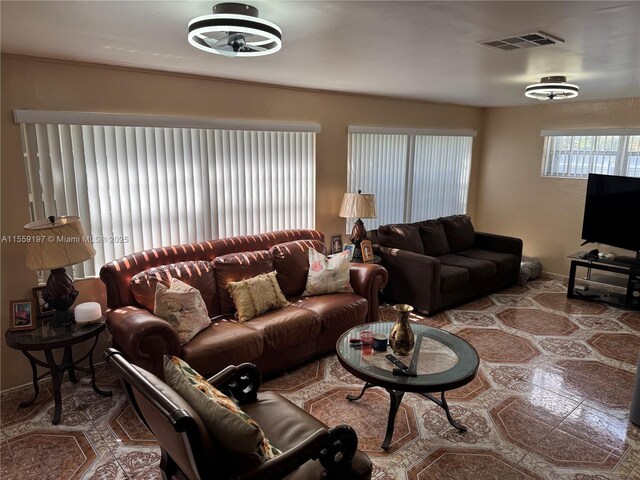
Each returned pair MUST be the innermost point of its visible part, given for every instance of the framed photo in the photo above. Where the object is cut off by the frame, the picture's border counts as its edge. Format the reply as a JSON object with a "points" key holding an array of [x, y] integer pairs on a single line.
{"points": [[350, 248], [22, 315], [42, 308], [367, 250], [336, 244]]}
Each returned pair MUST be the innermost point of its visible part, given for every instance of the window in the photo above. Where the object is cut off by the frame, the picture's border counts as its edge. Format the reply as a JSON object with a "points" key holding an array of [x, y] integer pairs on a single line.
{"points": [[577, 153], [137, 183], [415, 174]]}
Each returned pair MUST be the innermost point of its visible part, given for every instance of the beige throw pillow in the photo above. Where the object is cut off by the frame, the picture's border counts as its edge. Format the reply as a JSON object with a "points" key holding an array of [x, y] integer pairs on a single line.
{"points": [[233, 429], [328, 275], [256, 295], [183, 307]]}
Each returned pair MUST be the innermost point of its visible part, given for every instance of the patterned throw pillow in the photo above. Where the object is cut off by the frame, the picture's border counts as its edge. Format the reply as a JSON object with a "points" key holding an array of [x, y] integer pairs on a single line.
{"points": [[183, 307], [328, 275], [232, 428], [256, 295]]}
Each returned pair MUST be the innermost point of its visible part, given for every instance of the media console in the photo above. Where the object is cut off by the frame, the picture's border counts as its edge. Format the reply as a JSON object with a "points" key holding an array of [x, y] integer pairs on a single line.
{"points": [[627, 277]]}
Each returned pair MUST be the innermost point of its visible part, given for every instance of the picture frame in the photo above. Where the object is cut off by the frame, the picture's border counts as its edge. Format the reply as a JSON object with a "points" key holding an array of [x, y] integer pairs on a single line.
{"points": [[22, 315], [42, 308], [367, 250], [336, 244], [350, 248]]}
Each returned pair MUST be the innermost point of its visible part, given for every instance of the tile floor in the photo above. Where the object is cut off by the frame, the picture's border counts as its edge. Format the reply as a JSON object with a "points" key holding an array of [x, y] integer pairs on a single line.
{"points": [[551, 401]]}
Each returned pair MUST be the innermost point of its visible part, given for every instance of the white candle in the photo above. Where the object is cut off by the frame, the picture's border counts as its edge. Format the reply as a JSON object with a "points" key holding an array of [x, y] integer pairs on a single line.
{"points": [[87, 312]]}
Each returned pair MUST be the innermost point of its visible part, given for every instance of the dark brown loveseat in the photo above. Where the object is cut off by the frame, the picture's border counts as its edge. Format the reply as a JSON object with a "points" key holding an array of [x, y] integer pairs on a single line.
{"points": [[274, 341], [434, 264]]}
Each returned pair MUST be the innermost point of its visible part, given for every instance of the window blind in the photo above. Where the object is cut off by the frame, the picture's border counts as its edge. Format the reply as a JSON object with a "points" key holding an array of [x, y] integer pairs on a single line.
{"points": [[575, 154], [415, 176], [138, 187]]}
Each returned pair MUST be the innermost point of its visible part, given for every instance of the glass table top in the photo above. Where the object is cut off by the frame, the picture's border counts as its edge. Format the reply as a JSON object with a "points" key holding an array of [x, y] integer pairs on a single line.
{"points": [[47, 335], [440, 359]]}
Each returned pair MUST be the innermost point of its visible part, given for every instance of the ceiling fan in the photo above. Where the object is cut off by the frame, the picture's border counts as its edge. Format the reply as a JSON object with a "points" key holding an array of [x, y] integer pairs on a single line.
{"points": [[234, 29]]}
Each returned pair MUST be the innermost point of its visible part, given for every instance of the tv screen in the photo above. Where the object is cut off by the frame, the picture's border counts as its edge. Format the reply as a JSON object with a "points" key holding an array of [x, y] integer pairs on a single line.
{"points": [[612, 211]]}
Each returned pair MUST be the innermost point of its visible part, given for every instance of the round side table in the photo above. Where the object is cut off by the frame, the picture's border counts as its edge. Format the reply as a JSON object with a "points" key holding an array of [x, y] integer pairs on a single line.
{"points": [[46, 339]]}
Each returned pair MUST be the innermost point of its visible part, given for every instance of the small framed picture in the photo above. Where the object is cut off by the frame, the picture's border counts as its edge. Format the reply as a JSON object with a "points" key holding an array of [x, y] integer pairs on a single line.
{"points": [[336, 244], [22, 315], [367, 250], [42, 308], [349, 248]]}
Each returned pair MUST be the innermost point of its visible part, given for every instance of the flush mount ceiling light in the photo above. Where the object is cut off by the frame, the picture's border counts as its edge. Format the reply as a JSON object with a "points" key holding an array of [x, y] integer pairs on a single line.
{"points": [[233, 30], [551, 88]]}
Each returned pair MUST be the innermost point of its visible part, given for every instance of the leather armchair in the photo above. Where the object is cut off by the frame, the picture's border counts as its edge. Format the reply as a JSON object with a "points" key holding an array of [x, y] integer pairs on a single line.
{"points": [[311, 450]]}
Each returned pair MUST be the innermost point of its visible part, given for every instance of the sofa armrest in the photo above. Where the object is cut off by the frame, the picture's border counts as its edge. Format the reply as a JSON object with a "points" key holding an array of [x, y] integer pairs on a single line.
{"points": [[414, 278], [367, 280], [499, 243], [142, 337]]}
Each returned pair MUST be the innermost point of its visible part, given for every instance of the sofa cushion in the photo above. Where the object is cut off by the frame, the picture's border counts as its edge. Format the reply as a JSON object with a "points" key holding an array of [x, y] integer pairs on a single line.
{"points": [[404, 236], [291, 261], [198, 274], [256, 295], [459, 230], [223, 343], [480, 271], [337, 312], [453, 278], [328, 275], [287, 327], [434, 238], [235, 267], [506, 263], [242, 438], [182, 306]]}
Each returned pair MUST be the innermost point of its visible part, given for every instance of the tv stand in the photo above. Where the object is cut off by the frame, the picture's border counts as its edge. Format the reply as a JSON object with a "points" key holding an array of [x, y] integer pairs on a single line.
{"points": [[628, 279]]}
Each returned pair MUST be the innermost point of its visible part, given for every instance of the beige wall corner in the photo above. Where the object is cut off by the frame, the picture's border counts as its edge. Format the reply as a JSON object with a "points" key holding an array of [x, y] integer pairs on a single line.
{"points": [[515, 199]]}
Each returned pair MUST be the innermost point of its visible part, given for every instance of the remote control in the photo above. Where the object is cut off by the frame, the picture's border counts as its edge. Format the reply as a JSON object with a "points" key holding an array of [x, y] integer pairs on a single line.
{"points": [[396, 362], [354, 340]]}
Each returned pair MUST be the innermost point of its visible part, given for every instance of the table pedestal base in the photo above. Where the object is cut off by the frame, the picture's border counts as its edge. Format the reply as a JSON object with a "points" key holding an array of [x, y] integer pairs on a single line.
{"points": [[396, 398]]}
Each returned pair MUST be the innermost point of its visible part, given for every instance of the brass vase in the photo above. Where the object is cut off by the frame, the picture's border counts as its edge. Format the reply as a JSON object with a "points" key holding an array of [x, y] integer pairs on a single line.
{"points": [[401, 339]]}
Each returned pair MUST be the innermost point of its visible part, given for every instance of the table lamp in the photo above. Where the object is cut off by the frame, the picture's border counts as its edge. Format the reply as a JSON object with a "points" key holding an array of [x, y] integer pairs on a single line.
{"points": [[358, 205], [61, 242]]}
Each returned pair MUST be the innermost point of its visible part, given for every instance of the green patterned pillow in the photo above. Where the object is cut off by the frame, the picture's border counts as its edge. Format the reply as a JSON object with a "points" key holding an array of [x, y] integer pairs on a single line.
{"points": [[328, 275], [233, 429]]}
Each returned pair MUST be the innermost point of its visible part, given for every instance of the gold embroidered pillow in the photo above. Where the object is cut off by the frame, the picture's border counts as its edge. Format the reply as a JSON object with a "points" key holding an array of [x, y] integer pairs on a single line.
{"points": [[183, 307], [232, 428], [256, 295], [328, 275]]}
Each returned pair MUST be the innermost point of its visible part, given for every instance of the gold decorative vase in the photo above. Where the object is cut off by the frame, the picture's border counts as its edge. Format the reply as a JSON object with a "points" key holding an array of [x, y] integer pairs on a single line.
{"points": [[401, 339]]}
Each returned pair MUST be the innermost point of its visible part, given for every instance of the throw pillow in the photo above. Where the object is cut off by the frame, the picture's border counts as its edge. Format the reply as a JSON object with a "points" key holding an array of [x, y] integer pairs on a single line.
{"points": [[403, 236], [183, 307], [328, 275], [256, 295], [434, 239], [227, 424], [460, 233]]}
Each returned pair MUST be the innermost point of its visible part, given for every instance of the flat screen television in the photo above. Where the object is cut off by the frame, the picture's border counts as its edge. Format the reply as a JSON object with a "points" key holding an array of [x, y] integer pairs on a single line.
{"points": [[612, 212]]}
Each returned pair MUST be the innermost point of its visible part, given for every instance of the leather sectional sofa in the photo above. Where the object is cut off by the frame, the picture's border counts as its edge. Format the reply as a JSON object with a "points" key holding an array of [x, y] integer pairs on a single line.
{"points": [[434, 264], [274, 341]]}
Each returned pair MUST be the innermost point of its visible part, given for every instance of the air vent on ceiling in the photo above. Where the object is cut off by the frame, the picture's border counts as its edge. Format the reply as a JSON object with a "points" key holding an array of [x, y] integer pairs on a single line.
{"points": [[525, 40]]}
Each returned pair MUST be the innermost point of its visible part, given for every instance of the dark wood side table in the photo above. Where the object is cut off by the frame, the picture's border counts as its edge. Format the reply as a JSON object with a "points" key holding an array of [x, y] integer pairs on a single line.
{"points": [[46, 339], [376, 259]]}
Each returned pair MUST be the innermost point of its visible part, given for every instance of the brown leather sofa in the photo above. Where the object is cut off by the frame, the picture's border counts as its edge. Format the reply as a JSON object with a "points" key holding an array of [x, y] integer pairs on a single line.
{"points": [[435, 264], [274, 341]]}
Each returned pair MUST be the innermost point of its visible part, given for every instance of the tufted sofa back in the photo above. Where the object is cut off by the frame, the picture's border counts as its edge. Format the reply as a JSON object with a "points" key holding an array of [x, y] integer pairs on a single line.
{"points": [[117, 275]]}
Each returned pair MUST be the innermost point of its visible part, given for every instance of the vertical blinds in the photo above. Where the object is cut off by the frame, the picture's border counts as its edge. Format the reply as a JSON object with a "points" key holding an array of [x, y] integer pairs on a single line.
{"points": [[577, 155], [414, 177], [137, 187]]}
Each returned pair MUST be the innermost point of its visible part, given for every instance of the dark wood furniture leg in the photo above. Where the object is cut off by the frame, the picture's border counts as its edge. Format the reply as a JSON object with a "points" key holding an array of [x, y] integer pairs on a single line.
{"points": [[57, 381], [36, 386], [396, 399]]}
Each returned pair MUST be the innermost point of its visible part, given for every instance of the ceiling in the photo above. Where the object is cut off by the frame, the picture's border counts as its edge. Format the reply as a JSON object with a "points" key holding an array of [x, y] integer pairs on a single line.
{"points": [[419, 50]]}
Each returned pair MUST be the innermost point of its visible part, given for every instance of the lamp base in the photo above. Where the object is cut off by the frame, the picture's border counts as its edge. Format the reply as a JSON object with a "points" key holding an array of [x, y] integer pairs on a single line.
{"points": [[62, 318], [358, 233], [60, 292]]}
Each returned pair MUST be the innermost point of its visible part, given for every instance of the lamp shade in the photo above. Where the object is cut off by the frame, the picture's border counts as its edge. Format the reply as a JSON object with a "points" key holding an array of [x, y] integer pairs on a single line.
{"points": [[57, 243], [358, 205]]}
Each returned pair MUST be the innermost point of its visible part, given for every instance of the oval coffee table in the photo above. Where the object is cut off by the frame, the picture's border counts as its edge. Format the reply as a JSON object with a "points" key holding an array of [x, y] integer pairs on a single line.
{"points": [[441, 361]]}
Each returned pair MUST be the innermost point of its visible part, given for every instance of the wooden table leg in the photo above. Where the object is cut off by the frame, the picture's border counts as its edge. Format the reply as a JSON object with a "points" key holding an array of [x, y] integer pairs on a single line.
{"points": [[56, 377], [36, 386]]}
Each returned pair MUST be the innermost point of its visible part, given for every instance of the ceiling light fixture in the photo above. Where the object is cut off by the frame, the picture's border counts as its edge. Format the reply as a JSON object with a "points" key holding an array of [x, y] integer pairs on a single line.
{"points": [[551, 88], [234, 29]]}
